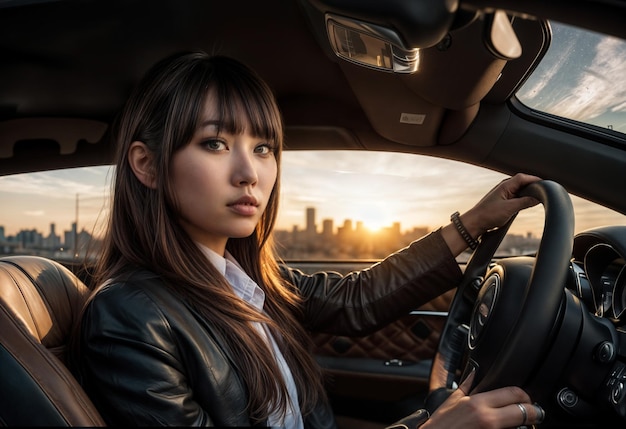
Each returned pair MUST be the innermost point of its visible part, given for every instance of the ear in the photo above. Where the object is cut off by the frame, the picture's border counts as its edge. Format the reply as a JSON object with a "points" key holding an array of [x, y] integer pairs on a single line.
{"points": [[140, 160]]}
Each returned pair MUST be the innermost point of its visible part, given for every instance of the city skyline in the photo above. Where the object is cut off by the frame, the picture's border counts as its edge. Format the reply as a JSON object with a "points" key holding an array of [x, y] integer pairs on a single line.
{"points": [[310, 213], [311, 221], [317, 240]]}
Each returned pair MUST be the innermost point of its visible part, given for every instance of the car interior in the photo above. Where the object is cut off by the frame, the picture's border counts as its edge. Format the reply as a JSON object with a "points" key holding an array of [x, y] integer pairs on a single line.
{"points": [[437, 78]]}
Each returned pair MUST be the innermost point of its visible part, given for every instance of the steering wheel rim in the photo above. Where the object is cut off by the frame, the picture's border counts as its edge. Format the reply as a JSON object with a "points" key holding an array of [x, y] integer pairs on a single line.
{"points": [[510, 339]]}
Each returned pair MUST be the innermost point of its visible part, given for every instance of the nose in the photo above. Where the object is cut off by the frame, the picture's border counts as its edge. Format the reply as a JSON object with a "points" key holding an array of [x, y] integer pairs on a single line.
{"points": [[244, 169]]}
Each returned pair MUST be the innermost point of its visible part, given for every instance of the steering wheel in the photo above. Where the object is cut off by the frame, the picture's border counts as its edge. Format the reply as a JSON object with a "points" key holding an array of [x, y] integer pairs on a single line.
{"points": [[503, 315]]}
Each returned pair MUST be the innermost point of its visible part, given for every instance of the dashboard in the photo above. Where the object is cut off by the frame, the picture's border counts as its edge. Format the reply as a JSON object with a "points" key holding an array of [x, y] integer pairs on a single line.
{"points": [[598, 271], [598, 279]]}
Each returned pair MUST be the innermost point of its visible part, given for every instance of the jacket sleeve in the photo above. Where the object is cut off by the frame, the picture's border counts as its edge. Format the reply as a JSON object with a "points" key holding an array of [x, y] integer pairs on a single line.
{"points": [[363, 301], [125, 330]]}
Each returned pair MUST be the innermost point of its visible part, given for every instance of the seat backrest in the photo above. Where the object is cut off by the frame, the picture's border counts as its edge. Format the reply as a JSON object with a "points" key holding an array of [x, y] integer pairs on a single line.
{"points": [[40, 300]]}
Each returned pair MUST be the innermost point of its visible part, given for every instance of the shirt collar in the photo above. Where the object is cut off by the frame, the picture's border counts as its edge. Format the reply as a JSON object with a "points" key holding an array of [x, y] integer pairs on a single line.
{"points": [[242, 284]]}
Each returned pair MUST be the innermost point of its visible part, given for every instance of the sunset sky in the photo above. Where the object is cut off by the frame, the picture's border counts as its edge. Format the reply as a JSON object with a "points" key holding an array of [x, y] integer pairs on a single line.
{"points": [[376, 188]]}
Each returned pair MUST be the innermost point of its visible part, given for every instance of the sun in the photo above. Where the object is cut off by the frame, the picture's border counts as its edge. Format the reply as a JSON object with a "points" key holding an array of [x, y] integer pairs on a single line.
{"points": [[374, 219]]}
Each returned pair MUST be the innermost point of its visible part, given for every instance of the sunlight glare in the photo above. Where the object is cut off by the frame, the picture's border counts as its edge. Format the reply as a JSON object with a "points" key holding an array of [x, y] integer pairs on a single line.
{"points": [[375, 218]]}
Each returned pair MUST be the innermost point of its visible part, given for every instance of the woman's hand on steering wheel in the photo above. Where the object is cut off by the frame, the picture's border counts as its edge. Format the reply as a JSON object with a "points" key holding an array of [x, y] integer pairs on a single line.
{"points": [[493, 210], [504, 407]]}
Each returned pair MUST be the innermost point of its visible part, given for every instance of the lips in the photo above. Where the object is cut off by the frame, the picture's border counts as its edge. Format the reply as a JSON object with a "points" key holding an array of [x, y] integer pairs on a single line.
{"points": [[245, 201], [244, 206]]}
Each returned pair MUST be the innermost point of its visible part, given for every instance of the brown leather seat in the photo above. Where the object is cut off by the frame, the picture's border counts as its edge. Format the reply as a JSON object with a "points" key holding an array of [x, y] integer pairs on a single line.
{"points": [[39, 302]]}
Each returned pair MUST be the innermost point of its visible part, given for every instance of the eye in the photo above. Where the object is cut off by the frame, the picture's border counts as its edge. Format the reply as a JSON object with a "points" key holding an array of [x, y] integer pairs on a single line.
{"points": [[264, 149], [214, 145]]}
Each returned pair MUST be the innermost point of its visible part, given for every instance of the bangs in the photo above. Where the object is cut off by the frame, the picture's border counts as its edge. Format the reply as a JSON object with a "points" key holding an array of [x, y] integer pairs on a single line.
{"points": [[246, 104]]}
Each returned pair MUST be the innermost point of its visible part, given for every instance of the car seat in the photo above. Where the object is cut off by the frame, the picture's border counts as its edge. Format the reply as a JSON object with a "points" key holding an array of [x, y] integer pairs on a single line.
{"points": [[40, 300]]}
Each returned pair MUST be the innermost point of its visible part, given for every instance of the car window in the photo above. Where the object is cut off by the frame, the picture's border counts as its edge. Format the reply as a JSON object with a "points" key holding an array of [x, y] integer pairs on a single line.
{"points": [[53, 213], [340, 205], [581, 77]]}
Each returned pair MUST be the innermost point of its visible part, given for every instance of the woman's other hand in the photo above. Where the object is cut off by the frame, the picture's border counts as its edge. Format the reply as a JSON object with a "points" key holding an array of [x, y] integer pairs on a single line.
{"points": [[506, 407]]}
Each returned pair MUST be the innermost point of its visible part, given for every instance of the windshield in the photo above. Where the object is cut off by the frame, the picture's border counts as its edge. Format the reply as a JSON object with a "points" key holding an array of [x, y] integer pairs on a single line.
{"points": [[334, 205]]}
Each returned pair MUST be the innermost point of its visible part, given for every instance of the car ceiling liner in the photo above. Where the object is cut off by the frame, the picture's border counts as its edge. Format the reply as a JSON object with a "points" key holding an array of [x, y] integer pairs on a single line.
{"points": [[437, 61]]}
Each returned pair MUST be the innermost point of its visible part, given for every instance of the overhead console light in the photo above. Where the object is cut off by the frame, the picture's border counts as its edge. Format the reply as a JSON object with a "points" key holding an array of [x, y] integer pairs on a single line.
{"points": [[370, 45]]}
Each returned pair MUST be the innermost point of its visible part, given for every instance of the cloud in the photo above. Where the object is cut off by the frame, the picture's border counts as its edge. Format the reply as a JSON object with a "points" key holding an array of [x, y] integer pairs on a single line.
{"points": [[571, 83], [61, 184], [548, 70], [600, 88]]}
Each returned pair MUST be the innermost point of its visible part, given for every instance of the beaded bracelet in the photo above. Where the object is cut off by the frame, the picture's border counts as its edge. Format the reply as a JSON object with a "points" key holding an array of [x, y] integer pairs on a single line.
{"points": [[454, 217]]}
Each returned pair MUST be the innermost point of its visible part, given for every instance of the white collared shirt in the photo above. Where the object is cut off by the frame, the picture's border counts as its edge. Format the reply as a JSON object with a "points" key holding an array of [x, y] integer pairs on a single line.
{"points": [[250, 292]]}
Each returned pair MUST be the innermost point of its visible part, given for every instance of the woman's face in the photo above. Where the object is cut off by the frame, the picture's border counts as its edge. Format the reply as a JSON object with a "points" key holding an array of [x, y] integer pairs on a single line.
{"points": [[222, 183]]}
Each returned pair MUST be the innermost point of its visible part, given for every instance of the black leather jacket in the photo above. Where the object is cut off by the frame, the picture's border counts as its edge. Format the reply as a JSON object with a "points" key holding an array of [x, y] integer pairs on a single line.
{"points": [[147, 358]]}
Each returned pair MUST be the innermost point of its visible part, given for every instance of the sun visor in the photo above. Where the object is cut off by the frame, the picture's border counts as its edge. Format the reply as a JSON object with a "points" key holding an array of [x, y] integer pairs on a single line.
{"points": [[462, 68], [414, 89]]}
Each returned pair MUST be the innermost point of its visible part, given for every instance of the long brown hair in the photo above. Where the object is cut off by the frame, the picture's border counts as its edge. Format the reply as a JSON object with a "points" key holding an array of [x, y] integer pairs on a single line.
{"points": [[163, 112]]}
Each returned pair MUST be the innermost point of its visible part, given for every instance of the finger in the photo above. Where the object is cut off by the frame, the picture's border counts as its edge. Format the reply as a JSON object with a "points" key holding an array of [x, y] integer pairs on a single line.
{"points": [[522, 179], [515, 204], [517, 182], [521, 203], [503, 396], [539, 414], [522, 414], [466, 386]]}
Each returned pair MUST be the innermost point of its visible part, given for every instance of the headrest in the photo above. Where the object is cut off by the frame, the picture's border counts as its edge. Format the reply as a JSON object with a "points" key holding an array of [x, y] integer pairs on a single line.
{"points": [[40, 300], [44, 296]]}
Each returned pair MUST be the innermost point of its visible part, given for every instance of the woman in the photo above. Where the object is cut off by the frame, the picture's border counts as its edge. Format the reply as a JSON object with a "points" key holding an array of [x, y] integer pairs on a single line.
{"points": [[194, 321]]}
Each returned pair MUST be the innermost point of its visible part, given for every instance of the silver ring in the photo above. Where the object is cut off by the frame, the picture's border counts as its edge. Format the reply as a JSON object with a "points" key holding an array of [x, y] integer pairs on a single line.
{"points": [[524, 413], [541, 414]]}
